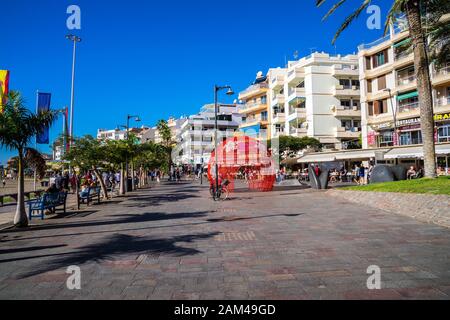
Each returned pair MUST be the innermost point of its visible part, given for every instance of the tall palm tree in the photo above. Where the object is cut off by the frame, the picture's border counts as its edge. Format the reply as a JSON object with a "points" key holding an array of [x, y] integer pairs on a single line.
{"points": [[17, 127], [417, 13]]}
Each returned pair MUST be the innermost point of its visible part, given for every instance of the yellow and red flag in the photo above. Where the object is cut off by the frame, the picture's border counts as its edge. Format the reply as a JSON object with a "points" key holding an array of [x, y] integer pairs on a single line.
{"points": [[4, 87]]}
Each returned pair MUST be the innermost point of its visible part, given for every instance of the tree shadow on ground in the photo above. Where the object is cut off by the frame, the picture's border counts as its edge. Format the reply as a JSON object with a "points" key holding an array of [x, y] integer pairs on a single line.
{"points": [[121, 244], [208, 221], [28, 249], [127, 218], [156, 200]]}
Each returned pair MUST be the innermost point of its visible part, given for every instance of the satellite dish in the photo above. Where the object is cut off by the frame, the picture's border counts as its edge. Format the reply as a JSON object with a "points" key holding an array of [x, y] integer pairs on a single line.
{"points": [[259, 75]]}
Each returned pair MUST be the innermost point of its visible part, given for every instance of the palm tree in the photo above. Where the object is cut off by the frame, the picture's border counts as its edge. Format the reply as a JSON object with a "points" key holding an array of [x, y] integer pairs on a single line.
{"points": [[17, 127], [420, 28]]}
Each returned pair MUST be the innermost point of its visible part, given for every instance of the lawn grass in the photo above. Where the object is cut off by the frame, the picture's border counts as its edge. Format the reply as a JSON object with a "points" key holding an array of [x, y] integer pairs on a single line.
{"points": [[426, 186]]}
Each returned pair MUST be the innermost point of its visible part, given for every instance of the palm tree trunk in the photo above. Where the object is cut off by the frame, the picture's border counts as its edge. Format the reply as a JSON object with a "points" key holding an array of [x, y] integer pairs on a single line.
{"points": [[122, 180], [21, 219], [133, 186], [421, 65], [102, 183]]}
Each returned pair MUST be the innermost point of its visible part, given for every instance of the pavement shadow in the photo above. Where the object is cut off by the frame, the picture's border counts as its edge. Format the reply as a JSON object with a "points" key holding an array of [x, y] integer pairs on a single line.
{"points": [[156, 200], [126, 219], [120, 244], [28, 249]]}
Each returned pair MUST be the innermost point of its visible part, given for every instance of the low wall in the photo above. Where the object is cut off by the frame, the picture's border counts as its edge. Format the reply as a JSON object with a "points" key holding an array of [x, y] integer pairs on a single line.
{"points": [[423, 207]]}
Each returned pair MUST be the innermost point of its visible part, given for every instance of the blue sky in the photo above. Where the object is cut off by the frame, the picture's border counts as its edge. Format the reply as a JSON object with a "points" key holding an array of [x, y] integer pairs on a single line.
{"points": [[159, 58]]}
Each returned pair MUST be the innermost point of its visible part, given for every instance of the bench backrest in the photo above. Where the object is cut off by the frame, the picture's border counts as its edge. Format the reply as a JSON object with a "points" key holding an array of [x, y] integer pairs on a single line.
{"points": [[93, 190]]}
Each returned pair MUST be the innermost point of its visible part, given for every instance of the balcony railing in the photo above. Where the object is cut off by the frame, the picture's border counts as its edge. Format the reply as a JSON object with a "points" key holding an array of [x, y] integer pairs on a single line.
{"points": [[402, 55], [442, 101], [403, 81], [442, 71], [408, 107], [253, 88]]}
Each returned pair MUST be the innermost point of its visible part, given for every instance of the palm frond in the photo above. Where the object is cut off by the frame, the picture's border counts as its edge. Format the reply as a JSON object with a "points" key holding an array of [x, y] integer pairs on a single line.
{"points": [[333, 9], [319, 2], [350, 19]]}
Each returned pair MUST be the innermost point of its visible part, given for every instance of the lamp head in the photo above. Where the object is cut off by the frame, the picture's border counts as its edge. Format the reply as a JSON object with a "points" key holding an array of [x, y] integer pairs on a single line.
{"points": [[230, 91]]}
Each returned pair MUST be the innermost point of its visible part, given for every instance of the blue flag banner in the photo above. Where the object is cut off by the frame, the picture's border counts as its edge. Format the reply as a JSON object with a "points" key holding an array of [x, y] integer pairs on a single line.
{"points": [[43, 104]]}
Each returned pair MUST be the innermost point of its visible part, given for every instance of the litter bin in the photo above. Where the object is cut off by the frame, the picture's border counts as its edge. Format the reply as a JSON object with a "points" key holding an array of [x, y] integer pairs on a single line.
{"points": [[129, 185]]}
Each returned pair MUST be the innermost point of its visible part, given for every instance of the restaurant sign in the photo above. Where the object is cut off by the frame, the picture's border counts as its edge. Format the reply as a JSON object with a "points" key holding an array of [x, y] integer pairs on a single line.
{"points": [[410, 122]]}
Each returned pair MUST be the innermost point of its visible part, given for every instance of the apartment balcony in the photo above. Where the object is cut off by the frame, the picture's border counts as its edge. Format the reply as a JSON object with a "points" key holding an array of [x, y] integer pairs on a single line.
{"points": [[277, 82], [442, 102], [403, 58], [344, 111], [295, 76], [295, 94], [341, 91], [279, 117], [296, 113], [278, 100], [278, 133], [410, 107], [255, 120], [342, 132], [406, 83], [299, 132], [253, 107], [254, 90], [441, 76], [339, 70]]}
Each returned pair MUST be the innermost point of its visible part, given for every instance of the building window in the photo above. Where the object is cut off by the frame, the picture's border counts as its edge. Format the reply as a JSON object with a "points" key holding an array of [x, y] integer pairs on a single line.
{"points": [[381, 82], [368, 66], [345, 83], [380, 107], [385, 139], [263, 99], [370, 109], [411, 137], [444, 133], [345, 104], [264, 116], [355, 83], [369, 86], [380, 58]]}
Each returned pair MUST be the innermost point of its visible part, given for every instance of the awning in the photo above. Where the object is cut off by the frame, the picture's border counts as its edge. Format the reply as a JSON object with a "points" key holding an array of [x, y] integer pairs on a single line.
{"points": [[402, 43], [407, 95], [443, 149], [317, 157], [415, 152], [356, 155]]}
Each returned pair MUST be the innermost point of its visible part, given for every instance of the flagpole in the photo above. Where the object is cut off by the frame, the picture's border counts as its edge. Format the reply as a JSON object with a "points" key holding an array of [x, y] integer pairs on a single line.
{"points": [[35, 144]]}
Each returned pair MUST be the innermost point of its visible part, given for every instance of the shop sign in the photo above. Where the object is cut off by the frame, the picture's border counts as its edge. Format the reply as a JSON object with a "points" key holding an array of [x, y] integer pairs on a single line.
{"points": [[442, 117]]}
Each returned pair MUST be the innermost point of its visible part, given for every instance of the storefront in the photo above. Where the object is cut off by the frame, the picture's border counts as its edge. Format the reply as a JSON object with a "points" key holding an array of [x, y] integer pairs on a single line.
{"points": [[408, 132]]}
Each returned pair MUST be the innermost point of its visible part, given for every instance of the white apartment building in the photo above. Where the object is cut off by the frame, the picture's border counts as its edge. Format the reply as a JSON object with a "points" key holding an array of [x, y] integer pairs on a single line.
{"points": [[389, 90], [197, 133], [115, 134], [121, 134], [175, 128], [317, 96]]}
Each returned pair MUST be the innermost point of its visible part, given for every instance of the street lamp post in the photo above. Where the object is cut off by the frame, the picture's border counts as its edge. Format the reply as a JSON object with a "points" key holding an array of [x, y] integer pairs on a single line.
{"points": [[229, 92], [137, 119], [74, 39]]}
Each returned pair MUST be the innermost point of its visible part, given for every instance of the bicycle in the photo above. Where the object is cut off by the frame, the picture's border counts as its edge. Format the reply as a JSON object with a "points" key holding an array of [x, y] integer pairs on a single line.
{"points": [[223, 191]]}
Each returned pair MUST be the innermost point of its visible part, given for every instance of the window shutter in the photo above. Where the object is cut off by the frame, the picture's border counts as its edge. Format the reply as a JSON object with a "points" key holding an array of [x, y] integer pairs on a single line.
{"points": [[370, 108], [386, 55], [376, 107], [385, 107], [382, 82], [369, 85], [368, 63]]}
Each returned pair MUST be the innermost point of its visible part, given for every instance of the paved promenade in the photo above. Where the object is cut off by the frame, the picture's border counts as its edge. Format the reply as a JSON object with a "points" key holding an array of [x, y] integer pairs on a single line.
{"points": [[174, 242]]}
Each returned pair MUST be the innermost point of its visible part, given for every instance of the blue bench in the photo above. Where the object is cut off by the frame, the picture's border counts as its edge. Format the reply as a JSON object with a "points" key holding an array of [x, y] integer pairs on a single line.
{"points": [[90, 194], [49, 201]]}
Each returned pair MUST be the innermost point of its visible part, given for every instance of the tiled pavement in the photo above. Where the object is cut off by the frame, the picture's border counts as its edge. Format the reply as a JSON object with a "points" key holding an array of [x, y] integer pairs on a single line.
{"points": [[173, 242]]}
